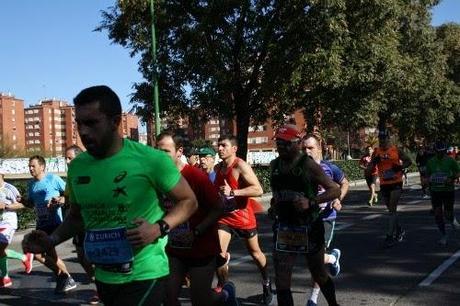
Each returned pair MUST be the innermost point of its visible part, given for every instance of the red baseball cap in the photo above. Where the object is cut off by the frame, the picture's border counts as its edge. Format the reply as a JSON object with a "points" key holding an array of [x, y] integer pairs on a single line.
{"points": [[288, 132]]}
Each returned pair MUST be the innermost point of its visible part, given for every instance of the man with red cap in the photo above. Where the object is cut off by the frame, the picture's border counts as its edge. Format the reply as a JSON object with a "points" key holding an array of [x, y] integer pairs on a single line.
{"points": [[298, 228]]}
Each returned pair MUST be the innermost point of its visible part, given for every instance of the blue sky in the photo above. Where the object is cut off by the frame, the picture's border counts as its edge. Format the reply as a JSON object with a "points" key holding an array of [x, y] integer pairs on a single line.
{"points": [[49, 50]]}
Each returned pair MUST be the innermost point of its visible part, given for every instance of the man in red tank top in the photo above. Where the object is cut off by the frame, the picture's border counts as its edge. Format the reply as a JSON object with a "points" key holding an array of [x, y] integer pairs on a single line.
{"points": [[237, 182], [390, 162]]}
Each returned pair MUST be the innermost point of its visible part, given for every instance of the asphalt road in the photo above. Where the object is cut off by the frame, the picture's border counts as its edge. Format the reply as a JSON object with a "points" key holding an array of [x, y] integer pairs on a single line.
{"points": [[416, 271]]}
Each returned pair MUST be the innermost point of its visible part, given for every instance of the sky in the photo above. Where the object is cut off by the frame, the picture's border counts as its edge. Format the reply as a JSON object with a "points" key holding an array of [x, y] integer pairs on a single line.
{"points": [[48, 49]]}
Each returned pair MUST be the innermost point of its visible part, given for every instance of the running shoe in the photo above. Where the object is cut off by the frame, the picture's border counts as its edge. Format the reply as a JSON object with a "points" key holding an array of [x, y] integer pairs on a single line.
{"points": [[426, 197], [311, 303], [443, 240], [334, 268], [400, 235], [455, 224], [376, 199], [27, 263], [94, 300], [64, 283], [5, 282], [217, 289], [390, 241], [370, 202], [230, 289], [268, 297]]}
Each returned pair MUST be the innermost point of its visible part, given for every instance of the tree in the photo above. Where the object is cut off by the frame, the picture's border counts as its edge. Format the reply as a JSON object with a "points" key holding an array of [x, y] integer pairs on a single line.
{"points": [[376, 63], [228, 59]]}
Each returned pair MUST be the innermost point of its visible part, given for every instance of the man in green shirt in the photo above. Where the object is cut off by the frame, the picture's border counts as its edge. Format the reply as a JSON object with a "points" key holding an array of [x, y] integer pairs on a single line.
{"points": [[113, 189], [442, 171]]}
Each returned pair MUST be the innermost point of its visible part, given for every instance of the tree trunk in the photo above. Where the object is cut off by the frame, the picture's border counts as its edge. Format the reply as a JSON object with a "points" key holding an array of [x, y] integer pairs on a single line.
{"points": [[242, 125]]}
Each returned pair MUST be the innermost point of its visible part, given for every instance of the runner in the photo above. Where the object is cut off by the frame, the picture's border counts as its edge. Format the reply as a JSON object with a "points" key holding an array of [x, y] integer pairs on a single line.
{"points": [[113, 192], [390, 162], [70, 153], [442, 171], [46, 195], [295, 178], [370, 176], [237, 183], [207, 161], [311, 145], [194, 246], [9, 205]]}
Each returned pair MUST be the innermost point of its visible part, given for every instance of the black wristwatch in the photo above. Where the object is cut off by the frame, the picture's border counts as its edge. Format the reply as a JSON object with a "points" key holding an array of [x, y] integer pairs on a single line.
{"points": [[164, 227], [232, 193]]}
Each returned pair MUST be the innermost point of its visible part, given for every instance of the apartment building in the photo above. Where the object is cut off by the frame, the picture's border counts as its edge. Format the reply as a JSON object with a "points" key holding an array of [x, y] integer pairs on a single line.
{"points": [[11, 122], [50, 127], [129, 126]]}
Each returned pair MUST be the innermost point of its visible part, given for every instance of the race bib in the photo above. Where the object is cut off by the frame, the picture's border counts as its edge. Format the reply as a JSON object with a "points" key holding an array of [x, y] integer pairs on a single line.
{"points": [[181, 237], [389, 174], [293, 239], [109, 249], [439, 178]]}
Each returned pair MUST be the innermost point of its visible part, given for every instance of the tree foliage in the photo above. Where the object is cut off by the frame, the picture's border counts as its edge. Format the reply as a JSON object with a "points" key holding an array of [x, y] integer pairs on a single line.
{"points": [[350, 63]]}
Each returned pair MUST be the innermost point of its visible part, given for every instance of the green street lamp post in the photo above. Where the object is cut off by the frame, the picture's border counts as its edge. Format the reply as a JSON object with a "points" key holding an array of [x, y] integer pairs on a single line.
{"points": [[155, 71]]}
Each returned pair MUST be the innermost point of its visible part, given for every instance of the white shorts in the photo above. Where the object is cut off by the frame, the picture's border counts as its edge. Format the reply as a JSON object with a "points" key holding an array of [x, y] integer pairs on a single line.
{"points": [[6, 233]]}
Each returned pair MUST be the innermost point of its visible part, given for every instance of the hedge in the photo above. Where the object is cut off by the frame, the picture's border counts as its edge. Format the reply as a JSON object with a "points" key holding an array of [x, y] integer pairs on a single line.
{"points": [[350, 167]]}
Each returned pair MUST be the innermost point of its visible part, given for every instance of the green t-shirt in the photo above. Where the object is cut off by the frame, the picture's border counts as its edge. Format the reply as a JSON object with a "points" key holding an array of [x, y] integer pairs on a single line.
{"points": [[439, 171], [113, 191]]}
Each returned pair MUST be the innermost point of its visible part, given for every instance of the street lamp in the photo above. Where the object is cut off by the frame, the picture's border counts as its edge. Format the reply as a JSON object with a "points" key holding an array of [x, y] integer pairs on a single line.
{"points": [[155, 71]]}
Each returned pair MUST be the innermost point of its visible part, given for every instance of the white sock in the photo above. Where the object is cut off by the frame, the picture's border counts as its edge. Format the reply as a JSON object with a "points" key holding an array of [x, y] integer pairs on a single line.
{"points": [[331, 259], [314, 295]]}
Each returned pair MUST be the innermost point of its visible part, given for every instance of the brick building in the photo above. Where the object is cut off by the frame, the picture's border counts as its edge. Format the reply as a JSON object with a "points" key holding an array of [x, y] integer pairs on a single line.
{"points": [[129, 126], [11, 122], [50, 127]]}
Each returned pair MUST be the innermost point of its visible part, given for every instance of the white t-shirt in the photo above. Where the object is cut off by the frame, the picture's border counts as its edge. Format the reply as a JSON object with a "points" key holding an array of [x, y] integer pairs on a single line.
{"points": [[8, 195]]}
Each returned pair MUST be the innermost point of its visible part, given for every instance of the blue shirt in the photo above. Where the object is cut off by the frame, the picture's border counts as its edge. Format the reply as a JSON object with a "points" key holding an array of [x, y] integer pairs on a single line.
{"points": [[336, 174], [40, 193]]}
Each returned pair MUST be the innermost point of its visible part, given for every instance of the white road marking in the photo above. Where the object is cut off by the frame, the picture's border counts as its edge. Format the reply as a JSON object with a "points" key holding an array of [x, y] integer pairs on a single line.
{"points": [[439, 270], [372, 217]]}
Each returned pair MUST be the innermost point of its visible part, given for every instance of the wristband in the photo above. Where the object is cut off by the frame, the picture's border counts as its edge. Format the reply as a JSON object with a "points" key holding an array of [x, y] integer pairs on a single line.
{"points": [[232, 193], [164, 227]]}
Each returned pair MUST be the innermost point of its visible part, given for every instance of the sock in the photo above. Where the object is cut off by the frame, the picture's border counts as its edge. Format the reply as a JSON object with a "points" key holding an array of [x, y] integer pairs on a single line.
{"points": [[331, 259], [3, 266], [314, 295], [12, 254]]}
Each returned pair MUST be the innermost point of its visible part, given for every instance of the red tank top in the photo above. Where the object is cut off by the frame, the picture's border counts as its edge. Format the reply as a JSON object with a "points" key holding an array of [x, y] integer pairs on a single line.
{"points": [[243, 217]]}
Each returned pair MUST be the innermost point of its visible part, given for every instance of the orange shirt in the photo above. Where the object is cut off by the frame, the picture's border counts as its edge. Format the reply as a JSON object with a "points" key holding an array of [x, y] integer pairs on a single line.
{"points": [[388, 159]]}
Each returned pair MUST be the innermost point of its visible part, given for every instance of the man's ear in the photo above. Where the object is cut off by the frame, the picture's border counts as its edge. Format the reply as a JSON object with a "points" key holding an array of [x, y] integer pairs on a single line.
{"points": [[116, 121]]}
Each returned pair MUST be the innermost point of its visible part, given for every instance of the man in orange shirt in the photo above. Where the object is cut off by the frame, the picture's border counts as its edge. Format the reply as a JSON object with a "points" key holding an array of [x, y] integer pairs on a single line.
{"points": [[390, 162]]}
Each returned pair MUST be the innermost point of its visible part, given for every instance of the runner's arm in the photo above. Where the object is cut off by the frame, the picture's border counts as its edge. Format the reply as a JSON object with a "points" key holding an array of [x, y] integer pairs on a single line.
{"points": [[406, 161], [254, 189], [332, 190], [72, 225], [186, 204]]}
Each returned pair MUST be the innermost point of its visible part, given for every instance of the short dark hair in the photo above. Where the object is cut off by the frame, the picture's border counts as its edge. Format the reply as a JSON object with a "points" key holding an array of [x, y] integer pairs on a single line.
{"points": [[109, 103], [179, 141], [76, 149], [39, 158], [316, 137], [232, 138]]}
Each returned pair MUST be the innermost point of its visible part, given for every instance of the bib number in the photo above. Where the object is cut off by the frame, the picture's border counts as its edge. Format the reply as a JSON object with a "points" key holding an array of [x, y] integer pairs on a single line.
{"points": [[181, 237], [109, 249], [293, 239], [389, 174], [439, 178]]}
